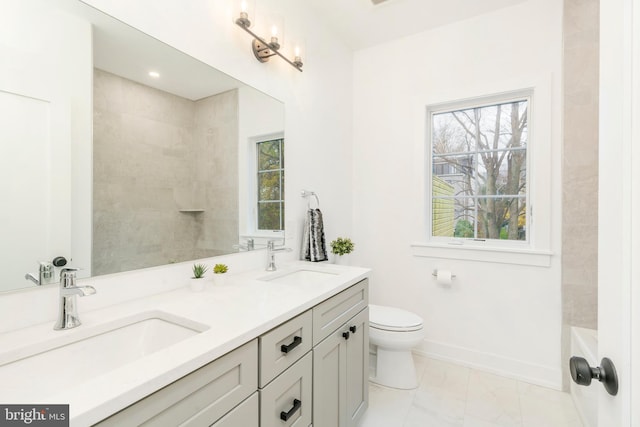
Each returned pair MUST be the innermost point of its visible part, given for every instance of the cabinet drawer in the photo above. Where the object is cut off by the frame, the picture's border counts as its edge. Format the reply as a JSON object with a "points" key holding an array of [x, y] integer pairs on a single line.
{"points": [[282, 346], [197, 399], [244, 415], [334, 312], [289, 395]]}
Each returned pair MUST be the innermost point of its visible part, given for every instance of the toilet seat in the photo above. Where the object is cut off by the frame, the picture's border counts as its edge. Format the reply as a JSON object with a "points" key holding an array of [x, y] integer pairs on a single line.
{"points": [[393, 319]]}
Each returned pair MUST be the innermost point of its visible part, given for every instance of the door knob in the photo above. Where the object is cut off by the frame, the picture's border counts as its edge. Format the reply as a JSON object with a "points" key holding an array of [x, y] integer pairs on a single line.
{"points": [[582, 373]]}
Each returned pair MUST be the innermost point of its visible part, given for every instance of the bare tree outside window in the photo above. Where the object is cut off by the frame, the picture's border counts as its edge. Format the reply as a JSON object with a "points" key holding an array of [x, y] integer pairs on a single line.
{"points": [[479, 174]]}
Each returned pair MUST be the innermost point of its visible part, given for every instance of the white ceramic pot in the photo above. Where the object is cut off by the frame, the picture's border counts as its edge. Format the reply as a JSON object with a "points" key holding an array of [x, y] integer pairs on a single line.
{"points": [[219, 279], [341, 259]]}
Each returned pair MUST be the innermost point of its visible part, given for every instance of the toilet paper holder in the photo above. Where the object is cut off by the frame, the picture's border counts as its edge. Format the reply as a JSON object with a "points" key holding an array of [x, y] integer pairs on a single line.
{"points": [[435, 274]]}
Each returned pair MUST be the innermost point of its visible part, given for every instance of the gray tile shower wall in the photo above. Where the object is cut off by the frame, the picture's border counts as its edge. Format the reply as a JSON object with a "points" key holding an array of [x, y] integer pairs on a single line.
{"points": [[154, 154]]}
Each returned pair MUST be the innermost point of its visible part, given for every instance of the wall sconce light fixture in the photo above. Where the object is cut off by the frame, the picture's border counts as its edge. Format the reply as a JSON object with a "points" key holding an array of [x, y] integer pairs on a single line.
{"points": [[263, 50]]}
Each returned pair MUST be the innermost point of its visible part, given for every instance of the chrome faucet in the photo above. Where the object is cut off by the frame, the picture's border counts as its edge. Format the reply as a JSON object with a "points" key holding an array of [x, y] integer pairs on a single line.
{"points": [[271, 254], [248, 247], [46, 271], [46, 274], [68, 313]]}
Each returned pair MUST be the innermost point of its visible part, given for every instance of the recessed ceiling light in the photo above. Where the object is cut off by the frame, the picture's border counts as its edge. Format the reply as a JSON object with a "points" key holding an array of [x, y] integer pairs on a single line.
{"points": [[154, 74]]}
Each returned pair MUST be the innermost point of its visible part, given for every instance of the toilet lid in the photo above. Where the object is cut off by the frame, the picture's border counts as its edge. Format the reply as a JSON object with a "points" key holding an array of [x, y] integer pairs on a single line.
{"points": [[393, 319]]}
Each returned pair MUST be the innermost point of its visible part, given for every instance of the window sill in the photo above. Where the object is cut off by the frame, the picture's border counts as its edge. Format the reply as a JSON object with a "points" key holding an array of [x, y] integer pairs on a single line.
{"points": [[498, 255], [264, 235]]}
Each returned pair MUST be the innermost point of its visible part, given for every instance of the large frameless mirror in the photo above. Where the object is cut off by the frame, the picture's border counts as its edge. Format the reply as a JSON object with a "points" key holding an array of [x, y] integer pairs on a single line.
{"points": [[128, 153]]}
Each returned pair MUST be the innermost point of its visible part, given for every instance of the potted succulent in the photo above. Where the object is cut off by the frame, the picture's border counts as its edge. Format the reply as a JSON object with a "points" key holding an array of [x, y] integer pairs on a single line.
{"points": [[197, 284], [340, 247], [219, 271]]}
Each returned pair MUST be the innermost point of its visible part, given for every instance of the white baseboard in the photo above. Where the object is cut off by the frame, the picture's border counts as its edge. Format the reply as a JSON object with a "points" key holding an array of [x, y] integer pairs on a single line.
{"points": [[544, 376]]}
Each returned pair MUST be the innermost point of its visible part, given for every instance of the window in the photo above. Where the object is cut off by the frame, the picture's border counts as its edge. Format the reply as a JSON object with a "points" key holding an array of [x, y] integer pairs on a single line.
{"points": [[270, 184], [479, 170]]}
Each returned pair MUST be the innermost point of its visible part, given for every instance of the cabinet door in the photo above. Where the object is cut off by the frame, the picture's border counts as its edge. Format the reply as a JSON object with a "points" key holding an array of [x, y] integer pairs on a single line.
{"points": [[357, 360], [340, 374], [198, 399], [329, 381], [245, 414]]}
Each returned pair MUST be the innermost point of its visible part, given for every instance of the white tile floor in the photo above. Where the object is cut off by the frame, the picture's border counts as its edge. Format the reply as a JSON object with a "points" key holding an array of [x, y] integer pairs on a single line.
{"points": [[451, 395]]}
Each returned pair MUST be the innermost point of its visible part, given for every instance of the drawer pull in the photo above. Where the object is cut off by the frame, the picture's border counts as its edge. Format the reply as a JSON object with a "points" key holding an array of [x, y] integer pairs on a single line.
{"points": [[284, 416], [352, 329], [286, 348], [345, 335]]}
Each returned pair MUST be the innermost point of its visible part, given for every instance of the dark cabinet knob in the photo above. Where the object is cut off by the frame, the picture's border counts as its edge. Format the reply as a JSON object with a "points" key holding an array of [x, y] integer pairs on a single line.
{"points": [[352, 329], [582, 373], [345, 335]]}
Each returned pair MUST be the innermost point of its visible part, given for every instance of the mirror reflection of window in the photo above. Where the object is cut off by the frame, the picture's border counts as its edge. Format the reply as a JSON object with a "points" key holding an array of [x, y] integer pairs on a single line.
{"points": [[270, 185]]}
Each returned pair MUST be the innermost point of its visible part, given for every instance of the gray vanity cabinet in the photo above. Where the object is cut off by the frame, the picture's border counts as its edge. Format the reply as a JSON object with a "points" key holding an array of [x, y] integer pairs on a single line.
{"points": [[311, 369], [341, 362]]}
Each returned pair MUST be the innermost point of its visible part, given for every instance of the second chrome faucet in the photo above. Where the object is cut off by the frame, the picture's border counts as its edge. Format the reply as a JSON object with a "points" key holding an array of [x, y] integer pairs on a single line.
{"points": [[271, 254], [68, 312]]}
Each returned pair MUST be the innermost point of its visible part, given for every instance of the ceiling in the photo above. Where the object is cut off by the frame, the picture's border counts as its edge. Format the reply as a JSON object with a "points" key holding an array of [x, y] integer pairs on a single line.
{"points": [[125, 51], [130, 53], [362, 24]]}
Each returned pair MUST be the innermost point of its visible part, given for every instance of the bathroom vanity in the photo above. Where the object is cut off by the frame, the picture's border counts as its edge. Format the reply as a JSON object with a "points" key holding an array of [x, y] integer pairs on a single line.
{"points": [[288, 348]]}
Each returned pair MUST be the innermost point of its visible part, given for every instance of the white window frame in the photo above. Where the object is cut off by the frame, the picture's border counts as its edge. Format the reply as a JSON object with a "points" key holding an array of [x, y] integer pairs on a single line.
{"points": [[252, 194], [543, 168], [485, 101]]}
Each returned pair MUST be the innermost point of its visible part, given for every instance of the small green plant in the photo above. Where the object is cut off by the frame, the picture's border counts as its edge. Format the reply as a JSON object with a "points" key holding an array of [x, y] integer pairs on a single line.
{"points": [[342, 246], [199, 270], [220, 268]]}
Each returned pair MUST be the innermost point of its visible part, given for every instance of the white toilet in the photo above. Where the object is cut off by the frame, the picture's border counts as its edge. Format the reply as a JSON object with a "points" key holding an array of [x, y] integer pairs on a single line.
{"points": [[394, 332]]}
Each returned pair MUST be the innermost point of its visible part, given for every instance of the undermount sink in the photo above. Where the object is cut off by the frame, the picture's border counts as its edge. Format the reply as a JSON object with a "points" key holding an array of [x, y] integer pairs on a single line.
{"points": [[82, 354], [301, 276]]}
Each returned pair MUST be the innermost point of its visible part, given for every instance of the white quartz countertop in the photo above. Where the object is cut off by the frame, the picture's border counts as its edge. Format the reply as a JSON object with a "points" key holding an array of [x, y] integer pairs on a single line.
{"points": [[235, 312]]}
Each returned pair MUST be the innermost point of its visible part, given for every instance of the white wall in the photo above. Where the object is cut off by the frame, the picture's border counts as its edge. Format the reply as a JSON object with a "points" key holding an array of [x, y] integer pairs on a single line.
{"points": [[318, 101], [46, 66], [502, 317]]}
